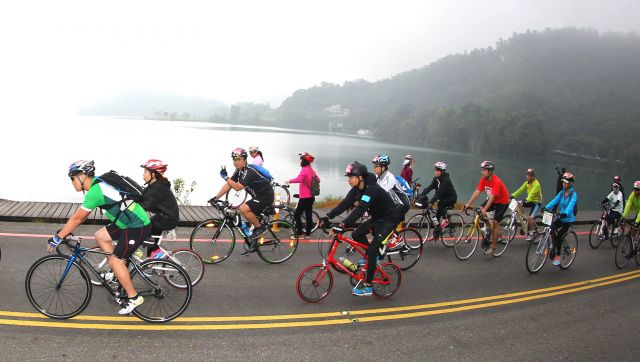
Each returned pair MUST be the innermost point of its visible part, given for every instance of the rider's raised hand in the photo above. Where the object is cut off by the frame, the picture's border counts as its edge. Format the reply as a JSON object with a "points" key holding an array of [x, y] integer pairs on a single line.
{"points": [[223, 174], [53, 243]]}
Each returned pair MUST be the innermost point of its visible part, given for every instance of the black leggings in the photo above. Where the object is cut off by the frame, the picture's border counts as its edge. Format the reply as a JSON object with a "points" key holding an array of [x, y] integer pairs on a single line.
{"points": [[558, 232], [158, 225], [381, 230], [443, 205], [304, 205]]}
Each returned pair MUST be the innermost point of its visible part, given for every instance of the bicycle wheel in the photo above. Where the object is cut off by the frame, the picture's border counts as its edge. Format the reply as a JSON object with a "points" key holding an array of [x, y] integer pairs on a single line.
{"points": [[285, 197], [287, 214], [191, 262], [278, 243], [55, 299], [537, 253], [507, 233], [99, 263], [420, 223], [569, 250], [622, 252], [236, 198], [407, 255], [594, 235], [386, 280], [213, 243], [162, 300], [314, 283], [538, 221], [615, 241], [454, 230], [465, 247]]}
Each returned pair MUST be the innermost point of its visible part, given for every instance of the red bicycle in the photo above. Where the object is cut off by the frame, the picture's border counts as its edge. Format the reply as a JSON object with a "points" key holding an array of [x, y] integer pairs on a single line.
{"points": [[316, 280]]}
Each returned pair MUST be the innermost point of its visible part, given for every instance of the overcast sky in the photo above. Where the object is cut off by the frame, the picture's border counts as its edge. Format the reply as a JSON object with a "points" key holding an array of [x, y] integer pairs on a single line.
{"points": [[61, 55]]}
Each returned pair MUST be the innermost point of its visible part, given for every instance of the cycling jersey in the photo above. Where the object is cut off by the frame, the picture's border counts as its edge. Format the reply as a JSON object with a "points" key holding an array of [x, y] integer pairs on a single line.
{"points": [[158, 199], [534, 191], [255, 184], [616, 201], [444, 189], [567, 205], [633, 205], [494, 187], [129, 214], [256, 161], [371, 198], [407, 174], [389, 183]]}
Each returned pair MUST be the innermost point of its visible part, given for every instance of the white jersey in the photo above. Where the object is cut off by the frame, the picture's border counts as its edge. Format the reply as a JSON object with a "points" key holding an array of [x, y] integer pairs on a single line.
{"points": [[389, 183], [613, 198]]}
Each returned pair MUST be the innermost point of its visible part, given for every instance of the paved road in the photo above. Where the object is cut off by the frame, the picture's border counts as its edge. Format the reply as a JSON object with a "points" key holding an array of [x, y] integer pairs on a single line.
{"points": [[586, 321]]}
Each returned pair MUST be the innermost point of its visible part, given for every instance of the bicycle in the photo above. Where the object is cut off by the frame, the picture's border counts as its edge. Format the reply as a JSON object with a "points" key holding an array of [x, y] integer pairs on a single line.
{"points": [[415, 188], [188, 259], [60, 286], [628, 248], [316, 281], [518, 218], [467, 245], [541, 248], [280, 191], [601, 230], [286, 213], [425, 221], [214, 239]]}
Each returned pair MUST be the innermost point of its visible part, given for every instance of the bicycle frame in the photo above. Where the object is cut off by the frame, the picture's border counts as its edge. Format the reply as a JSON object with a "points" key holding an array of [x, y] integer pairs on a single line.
{"points": [[361, 249]]}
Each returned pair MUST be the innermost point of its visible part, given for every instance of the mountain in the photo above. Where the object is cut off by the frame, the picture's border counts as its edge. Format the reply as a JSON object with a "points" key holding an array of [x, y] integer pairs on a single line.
{"points": [[558, 90]]}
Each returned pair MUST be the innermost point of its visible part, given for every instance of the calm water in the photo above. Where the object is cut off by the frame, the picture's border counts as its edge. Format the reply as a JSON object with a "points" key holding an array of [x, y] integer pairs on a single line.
{"points": [[36, 157]]}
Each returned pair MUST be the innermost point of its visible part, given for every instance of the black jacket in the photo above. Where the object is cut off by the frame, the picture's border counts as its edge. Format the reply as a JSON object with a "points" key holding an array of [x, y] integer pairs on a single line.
{"points": [[444, 189], [158, 198], [371, 198]]}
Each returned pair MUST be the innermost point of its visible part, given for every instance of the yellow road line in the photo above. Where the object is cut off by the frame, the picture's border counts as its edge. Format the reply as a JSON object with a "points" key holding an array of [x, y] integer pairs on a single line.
{"points": [[549, 292]]}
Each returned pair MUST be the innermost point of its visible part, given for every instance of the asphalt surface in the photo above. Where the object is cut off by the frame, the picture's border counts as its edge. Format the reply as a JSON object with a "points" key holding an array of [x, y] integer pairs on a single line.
{"points": [[592, 322]]}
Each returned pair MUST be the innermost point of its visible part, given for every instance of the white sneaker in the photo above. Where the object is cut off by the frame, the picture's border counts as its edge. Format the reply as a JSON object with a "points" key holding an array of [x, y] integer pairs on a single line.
{"points": [[132, 303]]}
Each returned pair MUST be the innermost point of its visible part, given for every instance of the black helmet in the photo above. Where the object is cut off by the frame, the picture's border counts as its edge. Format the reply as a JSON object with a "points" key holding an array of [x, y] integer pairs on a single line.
{"points": [[356, 169]]}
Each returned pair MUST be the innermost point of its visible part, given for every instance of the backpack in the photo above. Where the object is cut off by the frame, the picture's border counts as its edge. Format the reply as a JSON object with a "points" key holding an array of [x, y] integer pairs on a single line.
{"points": [[129, 190], [315, 185], [262, 171], [405, 186]]}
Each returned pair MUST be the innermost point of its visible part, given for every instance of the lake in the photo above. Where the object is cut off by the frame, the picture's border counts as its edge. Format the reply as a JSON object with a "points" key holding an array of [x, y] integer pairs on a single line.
{"points": [[36, 156]]}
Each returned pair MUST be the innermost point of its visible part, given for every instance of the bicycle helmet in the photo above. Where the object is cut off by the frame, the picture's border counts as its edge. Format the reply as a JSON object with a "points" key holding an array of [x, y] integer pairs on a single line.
{"points": [[306, 156], [568, 177], [254, 149], [85, 166], [616, 178], [440, 166], [636, 185], [238, 152], [382, 159], [155, 165], [408, 157], [531, 171], [487, 165], [356, 169]]}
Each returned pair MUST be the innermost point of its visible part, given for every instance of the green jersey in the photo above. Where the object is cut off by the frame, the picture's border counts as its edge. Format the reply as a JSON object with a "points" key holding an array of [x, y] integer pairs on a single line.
{"points": [[633, 205], [131, 215], [534, 191]]}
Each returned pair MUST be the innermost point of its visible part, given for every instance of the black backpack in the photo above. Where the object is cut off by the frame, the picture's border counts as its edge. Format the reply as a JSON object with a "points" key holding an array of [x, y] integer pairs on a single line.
{"points": [[129, 190]]}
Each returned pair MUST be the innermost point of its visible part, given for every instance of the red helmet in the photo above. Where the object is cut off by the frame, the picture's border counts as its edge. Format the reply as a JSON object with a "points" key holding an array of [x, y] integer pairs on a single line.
{"points": [[531, 171], [239, 152], [616, 178], [155, 165], [636, 185], [568, 177], [306, 156]]}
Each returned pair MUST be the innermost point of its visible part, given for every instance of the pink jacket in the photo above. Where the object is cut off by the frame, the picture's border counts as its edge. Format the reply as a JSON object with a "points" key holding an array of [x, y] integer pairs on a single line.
{"points": [[304, 179]]}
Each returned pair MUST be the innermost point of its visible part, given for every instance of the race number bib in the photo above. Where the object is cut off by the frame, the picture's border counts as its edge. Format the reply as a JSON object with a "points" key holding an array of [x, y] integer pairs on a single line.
{"points": [[547, 218], [513, 204]]}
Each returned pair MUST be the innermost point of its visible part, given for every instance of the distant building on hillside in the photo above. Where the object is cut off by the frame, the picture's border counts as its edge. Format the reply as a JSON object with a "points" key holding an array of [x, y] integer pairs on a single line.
{"points": [[336, 115]]}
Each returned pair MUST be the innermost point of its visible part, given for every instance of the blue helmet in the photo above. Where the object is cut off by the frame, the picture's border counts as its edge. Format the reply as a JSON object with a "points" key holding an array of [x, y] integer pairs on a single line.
{"points": [[382, 159], [85, 166]]}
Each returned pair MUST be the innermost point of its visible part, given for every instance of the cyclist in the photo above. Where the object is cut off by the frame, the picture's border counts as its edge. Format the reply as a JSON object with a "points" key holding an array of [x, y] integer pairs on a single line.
{"points": [[497, 200], [445, 195], [407, 169], [256, 185], [615, 199], [566, 202], [158, 199], [617, 180], [256, 156], [383, 218], [633, 205], [307, 199], [533, 200], [129, 225], [389, 183]]}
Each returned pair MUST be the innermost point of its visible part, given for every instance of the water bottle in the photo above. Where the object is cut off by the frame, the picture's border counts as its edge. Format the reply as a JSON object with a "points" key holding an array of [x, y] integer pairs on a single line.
{"points": [[347, 263], [138, 254], [435, 220], [245, 228]]}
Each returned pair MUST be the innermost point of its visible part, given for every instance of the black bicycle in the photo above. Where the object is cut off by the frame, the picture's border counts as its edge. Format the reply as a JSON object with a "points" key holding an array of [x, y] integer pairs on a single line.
{"points": [[214, 239], [451, 227], [59, 286], [281, 193], [601, 230]]}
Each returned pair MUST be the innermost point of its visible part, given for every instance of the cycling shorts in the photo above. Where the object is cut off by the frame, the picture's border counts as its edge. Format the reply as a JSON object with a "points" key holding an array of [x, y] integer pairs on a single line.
{"points": [[258, 204], [498, 209], [128, 240], [535, 207]]}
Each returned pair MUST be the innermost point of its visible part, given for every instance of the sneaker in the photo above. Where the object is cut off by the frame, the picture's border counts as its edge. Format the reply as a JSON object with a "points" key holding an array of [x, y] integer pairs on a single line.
{"points": [[556, 260], [398, 245], [530, 237], [131, 304], [444, 223], [362, 290], [107, 276], [489, 251]]}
